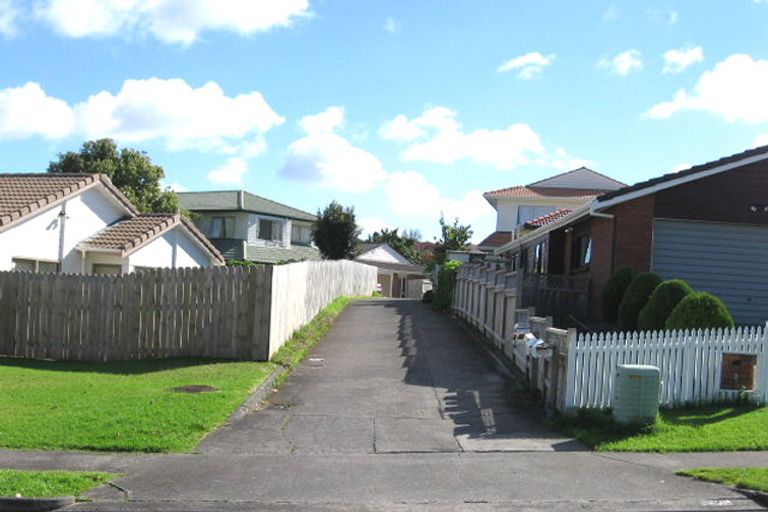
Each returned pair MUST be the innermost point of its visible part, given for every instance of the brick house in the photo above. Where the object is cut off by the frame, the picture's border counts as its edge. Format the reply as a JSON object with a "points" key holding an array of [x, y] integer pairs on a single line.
{"points": [[707, 225]]}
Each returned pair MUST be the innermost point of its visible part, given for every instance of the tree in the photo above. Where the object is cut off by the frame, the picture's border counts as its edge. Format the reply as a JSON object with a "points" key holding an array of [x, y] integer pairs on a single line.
{"points": [[130, 170], [405, 244], [453, 238], [335, 232]]}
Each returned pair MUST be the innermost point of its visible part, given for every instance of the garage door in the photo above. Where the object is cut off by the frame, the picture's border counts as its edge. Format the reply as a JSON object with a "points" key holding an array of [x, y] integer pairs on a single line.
{"points": [[728, 260]]}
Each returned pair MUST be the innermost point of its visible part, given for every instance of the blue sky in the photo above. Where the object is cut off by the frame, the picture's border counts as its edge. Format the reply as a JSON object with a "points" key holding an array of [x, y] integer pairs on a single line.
{"points": [[402, 108]]}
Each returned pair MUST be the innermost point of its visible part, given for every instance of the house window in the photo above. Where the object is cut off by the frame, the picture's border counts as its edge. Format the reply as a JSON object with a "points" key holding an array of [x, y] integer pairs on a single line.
{"points": [[222, 227], [301, 234], [540, 258], [104, 269], [270, 230], [581, 253], [39, 266]]}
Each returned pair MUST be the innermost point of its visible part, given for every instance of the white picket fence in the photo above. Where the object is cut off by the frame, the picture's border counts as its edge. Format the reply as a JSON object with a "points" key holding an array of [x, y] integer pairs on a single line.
{"points": [[690, 363]]}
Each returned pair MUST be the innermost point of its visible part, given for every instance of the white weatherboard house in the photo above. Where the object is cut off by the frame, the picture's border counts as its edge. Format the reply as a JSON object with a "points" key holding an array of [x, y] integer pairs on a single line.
{"points": [[244, 226], [397, 277], [542, 201], [81, 223]]}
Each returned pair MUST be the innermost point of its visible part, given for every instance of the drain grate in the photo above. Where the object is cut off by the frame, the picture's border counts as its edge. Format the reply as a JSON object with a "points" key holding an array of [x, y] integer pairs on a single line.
{"points": [[195, 388]]}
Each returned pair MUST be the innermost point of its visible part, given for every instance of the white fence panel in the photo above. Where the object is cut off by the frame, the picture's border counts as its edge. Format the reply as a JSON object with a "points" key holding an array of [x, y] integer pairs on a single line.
{"points": [[690, 363]]}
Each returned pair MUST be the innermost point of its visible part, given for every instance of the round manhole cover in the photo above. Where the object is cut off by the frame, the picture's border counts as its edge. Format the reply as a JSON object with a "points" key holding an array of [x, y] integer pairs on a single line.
{"points": [[194, 388]]}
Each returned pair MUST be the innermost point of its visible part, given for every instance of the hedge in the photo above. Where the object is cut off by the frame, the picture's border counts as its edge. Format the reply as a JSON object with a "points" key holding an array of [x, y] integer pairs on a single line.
{"points": [[700, 310], [446, 281], [663, 300], [614, 291], [637, 296]]}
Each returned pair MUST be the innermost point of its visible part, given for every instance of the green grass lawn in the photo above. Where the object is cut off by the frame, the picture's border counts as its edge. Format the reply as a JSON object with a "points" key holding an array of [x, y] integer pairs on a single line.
{"points": [[126, 406], [743, 478], [49, 484], [701, 429]]}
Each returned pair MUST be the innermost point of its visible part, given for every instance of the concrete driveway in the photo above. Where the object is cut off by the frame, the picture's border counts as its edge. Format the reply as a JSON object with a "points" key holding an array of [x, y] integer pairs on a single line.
{"points": [[398, 409]]}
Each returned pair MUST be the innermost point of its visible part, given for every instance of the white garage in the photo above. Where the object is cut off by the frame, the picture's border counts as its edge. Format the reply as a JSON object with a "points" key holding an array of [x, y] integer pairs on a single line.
{"points": [[728, 260]]}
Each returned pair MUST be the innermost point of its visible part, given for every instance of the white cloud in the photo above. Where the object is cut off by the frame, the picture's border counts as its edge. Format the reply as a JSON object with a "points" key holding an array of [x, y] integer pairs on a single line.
{"points": [[391, 25], [734, 89], [182, 116], [529, 65], [436, 136], [27, 111], [409, 194], [560, 160], [676, 61], [370, 225], [8, 15], [761, 140], [332, 162], [664, 17], [623, 63], [611, 13], [171, 21], [326, 121], [175, 186], [681, 167], [231, 173]]}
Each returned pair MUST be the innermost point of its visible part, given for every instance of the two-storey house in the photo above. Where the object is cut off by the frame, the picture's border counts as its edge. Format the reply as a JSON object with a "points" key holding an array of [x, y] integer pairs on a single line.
{"points": [[244, 226]]}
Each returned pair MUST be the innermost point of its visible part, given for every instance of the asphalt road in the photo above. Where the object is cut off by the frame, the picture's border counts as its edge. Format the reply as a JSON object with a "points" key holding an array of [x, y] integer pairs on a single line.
{"points": [[398, 408]]}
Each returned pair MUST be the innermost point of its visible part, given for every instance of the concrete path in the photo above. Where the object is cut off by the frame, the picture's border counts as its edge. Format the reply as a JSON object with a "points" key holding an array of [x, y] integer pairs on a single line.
{"points": [[397, 409], [393, 377]]}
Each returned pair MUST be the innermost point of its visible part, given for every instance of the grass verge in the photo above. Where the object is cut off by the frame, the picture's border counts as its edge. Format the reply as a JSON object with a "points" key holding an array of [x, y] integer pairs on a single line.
{"points": [[700, 429], [755, 479], [49, 484], [296, 348], [122, 406]]}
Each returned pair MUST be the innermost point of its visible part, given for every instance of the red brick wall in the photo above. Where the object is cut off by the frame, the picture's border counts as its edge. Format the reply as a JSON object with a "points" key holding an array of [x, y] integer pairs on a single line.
{"points": [[633, 233]]}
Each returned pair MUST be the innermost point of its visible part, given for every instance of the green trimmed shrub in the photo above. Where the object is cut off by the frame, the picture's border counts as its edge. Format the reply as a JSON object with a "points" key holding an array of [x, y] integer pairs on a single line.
{"points": [[700, 310], [446, 281], [663, 300], [637, 296], [614, 291]]}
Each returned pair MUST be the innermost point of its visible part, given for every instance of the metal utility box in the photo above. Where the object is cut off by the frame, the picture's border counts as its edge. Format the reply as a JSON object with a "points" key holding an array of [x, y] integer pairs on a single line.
{"points": [[636, 393]]}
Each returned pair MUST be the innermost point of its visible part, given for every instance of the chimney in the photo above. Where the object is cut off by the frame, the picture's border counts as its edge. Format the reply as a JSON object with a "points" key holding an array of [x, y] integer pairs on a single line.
{"points": [[241, 199]]}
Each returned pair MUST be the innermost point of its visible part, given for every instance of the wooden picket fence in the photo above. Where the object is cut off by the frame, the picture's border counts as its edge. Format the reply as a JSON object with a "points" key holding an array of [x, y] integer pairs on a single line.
{"points": [[690, 363], [224, 312], [215, 312]]}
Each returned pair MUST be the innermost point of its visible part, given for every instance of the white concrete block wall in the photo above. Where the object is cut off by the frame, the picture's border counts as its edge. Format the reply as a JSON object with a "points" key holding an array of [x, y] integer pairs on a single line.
{"points": [[301, 290]]}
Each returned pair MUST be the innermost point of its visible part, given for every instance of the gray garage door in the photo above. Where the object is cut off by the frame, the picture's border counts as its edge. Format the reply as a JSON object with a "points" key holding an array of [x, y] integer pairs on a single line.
{"points": [[729, 260]]}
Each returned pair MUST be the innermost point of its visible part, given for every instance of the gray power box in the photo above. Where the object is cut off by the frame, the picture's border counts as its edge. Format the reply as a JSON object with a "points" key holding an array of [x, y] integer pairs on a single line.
{"points": [[636, 393]]}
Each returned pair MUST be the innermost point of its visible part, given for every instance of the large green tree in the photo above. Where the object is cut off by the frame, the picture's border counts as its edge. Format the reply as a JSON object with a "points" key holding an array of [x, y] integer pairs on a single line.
{"points": [[335, 232], [453, 237], [130, 170], [405, 244]]}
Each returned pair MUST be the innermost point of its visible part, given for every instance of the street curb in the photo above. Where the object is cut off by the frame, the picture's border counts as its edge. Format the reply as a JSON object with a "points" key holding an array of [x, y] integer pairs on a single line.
{"points": [[257, 396], [759, 497], [35, 504]]}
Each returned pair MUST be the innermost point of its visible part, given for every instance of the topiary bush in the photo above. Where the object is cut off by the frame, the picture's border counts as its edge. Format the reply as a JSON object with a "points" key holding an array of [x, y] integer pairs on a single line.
{"points": [[635, 298], [613, 292], [664, 298], [700, 310]]}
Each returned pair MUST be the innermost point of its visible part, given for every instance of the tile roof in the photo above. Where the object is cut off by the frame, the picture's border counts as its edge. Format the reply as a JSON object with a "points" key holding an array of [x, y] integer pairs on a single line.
{"points": [[128, 235], [240, 200], [397, 267], [275, 254], [548, 218], [25, 194], [528, 191], [496, 239], [762, 150]]}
